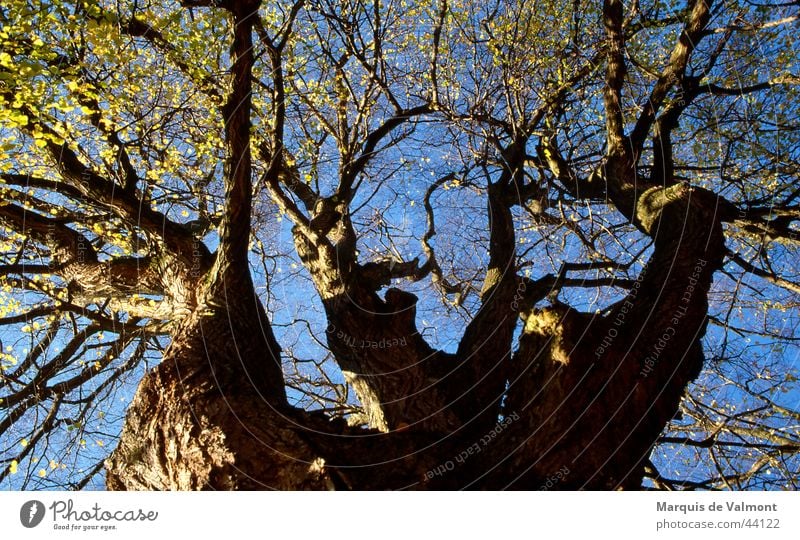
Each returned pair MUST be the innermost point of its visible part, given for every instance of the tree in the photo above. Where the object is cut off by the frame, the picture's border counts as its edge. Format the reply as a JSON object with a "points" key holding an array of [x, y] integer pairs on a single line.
{"points": [[371, 245]]}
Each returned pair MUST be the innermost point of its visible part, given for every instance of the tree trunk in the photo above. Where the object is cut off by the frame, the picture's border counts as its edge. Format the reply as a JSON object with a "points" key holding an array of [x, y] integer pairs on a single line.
{"points": [[587, 394]]}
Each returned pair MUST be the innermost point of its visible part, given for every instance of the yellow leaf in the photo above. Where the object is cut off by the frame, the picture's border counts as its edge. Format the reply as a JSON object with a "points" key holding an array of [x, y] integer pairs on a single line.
{"points": [[13, 468], [42, 473], [18, 120]]}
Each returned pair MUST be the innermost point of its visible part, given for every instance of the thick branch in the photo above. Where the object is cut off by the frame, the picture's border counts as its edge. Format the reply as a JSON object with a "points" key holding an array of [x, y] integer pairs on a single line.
{"points": [[693, 31], [35, 182], [67, 245], [234, 232], [125, 205], [73, 257], [615, 76], [633, 363], [485, 348]]}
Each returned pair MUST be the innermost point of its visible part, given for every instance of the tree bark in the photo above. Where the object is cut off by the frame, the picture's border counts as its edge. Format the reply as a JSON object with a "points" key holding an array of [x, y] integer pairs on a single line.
{"points": [[207, 418]]}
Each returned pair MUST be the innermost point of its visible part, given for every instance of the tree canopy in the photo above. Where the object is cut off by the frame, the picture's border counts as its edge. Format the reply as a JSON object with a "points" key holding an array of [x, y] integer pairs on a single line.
{"points": [[431, 244]]}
